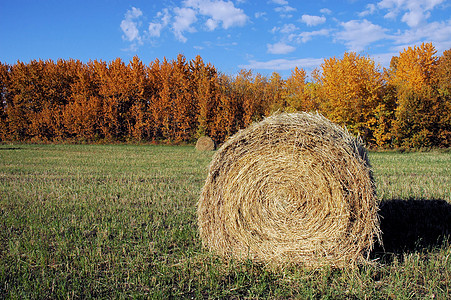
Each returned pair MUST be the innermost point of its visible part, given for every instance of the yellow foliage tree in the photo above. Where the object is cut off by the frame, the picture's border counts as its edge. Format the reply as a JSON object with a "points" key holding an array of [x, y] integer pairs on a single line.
{"points": [[350, 90], [295, 92], [416, 117]]}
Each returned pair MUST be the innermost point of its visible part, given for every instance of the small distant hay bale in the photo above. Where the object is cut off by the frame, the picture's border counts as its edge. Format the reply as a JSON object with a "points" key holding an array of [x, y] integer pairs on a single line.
{"points": [[292, 189], [205, 143]]}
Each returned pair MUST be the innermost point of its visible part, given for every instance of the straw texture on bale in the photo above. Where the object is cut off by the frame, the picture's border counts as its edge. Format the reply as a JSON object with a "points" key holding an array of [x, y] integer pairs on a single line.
{"points": [[292, 189], [205, 143]]}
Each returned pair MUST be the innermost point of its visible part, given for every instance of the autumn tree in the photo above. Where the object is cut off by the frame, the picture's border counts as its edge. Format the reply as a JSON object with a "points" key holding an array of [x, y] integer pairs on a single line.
{"points": [[409, 104], [296, 94], [84, 107], [443, 85], [56, 84], [274, 91], [204, 87], [416, 116], [27, 97], [248, 89], [4, 99], [139, 91], [227, 117], [116, 93], [162, 103], [350, 91], [184, 118]]}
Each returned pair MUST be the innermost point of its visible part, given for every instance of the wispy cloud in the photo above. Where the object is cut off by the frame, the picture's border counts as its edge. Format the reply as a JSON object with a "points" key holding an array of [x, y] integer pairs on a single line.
{"points": [[283, 9], [306, 36], [260, 14], [284, 64], [218, 12], [280, 2], [370, 9], [325, 11], [184, 18], [155, 28], [129, 25], [280, 48], [414, 12], [286, 28], [187, 18], [439, 32], [358, 34], [313, 20]]}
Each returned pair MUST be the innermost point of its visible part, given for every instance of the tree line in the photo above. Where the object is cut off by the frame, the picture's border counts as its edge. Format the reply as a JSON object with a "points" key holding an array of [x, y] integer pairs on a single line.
{"points": [[406, 105]]}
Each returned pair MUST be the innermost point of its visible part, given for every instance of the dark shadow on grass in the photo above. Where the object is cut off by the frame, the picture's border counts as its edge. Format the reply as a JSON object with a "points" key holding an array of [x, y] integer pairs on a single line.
{"points": [[10, 148], [412, 225]]}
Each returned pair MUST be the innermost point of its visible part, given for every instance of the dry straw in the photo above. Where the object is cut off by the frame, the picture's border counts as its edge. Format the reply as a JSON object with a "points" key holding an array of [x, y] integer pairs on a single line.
{"points": [[205, 143], [292, 189]]}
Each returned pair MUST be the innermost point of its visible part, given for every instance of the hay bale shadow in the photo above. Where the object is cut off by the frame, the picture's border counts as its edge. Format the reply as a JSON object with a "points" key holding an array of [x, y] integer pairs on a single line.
{"points": [[10, 148], [412, 225]]}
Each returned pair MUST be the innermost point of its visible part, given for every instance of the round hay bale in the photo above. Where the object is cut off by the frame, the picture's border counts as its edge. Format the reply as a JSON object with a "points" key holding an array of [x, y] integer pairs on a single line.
{"points": [[292, 189], [205, 143]]}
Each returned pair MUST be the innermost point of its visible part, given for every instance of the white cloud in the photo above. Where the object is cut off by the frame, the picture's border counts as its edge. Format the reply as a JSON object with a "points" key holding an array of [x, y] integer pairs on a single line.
{"points": [[280, 48], [259, 14], [370, 9], [218, 12], [415, 12], [155, 28], [285, 9], [133, 13], [286, 28], [415, 17], [130, 25], [280, 2], [437, 32], [325, 11], [213, 13], [312, 20], [211, 24], [306, 36], [184, 18], [283, 64], [359, 34]]}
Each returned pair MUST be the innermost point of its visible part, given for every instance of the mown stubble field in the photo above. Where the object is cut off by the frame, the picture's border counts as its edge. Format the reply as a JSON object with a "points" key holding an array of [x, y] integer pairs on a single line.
{"points": [[119, 221]]}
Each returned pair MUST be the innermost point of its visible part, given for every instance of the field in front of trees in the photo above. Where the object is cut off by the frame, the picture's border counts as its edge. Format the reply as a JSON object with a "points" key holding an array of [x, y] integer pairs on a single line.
{"points": [[119, 221]]}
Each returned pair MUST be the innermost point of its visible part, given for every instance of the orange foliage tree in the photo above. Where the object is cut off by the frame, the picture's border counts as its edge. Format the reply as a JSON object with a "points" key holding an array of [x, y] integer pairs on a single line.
{"points": [[82, 112], [409, 104], [205, 89], [4, 99]]}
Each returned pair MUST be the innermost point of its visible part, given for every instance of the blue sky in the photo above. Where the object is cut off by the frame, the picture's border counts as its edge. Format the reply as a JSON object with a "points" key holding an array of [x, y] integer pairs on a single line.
{"points": [[265, 36]]}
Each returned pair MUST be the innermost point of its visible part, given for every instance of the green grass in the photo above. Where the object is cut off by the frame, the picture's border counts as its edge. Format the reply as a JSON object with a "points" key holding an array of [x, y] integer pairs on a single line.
{"points": [[119, 221]]}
